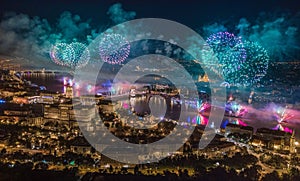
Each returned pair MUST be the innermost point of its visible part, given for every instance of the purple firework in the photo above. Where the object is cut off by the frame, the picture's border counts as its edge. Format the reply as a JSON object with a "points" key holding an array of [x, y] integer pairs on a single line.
{"points": [[114, 49]]}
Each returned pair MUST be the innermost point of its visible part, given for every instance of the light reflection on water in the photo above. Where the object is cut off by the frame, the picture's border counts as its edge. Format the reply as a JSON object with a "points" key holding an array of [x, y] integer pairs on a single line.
{"points": [[55, 83], [203, 120]]}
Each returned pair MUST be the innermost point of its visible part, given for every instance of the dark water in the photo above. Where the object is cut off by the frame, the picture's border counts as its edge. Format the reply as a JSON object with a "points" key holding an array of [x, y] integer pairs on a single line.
{"points": [[52, 82]]}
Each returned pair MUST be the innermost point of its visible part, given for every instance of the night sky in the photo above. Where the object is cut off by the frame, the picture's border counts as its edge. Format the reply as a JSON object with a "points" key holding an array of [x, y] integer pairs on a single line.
{"points": [[190, 12], [34, 26]]}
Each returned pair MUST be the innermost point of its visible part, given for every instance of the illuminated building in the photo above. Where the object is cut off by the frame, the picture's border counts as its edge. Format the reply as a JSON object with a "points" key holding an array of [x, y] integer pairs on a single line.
{"points": [[90, 99], [69, 91], [51, 112], [49, 97], [35, 121], [65, 112], [20, 100], [85, 113], [233, 128], [277, 140], [16, 110], [26, 99], [11, 92], [218, 147], [59, 112]]}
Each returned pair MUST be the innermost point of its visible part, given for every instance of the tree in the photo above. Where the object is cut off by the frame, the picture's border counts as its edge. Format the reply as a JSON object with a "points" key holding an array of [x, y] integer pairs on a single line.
{"points": [[271, 176], [294, 172], [136, 170], [41, 166], [111, 169], [3, 151], [251, 173]]}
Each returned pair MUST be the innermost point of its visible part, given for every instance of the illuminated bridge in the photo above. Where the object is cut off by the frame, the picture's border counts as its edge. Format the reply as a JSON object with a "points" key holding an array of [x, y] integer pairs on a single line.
{"points": [[41, 72]]}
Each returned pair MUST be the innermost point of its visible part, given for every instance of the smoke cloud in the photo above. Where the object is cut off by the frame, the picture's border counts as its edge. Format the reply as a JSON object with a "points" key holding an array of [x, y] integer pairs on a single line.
{"points": [[278, 34], [213, 28], [118, 15], [32, 37]]}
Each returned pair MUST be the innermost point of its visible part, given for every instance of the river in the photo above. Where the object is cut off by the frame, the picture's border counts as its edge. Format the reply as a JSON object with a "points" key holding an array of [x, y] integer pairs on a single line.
{"points": [[56, 82]]}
